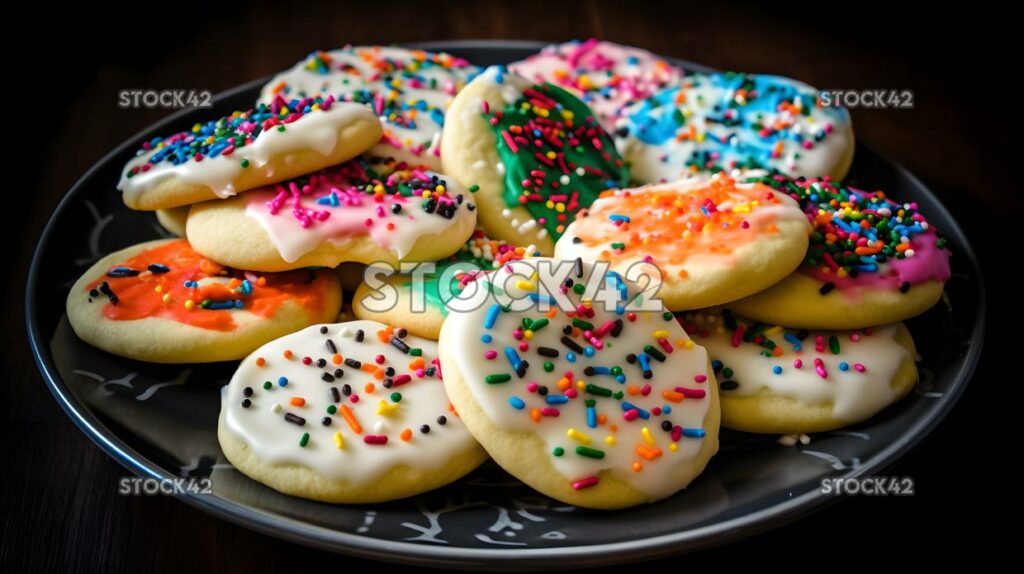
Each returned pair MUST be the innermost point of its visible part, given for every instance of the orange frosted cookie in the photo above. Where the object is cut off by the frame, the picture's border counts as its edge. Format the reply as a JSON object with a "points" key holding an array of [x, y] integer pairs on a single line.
{"points": [[707, 241], [162, 302]]}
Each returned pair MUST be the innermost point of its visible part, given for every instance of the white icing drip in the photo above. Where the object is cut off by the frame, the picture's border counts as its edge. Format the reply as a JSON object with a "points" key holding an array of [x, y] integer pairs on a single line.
{"points": [[855, 396], [416, 145], [276, 441], [347, 221], [660, 477], [317, 131]]}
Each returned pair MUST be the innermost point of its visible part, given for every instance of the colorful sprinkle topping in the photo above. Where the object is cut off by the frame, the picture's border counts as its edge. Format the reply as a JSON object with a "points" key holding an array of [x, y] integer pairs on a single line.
{"points": [[556, 156], [191, 289], [223, 136], [863, 237]]}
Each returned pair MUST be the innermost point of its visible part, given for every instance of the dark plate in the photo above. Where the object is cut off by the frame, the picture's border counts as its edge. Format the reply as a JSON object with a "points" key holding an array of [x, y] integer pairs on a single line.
{"points": [[160, 421]]}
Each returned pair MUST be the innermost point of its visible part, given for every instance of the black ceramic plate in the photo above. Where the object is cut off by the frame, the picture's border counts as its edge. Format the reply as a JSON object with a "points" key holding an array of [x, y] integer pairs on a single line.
{"points": [[160, 421]]}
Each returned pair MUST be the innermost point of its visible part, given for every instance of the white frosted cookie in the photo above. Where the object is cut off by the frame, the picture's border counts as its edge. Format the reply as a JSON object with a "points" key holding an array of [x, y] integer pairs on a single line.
{"points": [[408, 90], [173, 219], [605, 75], [351, 412], [535, 151], [260, 146], [871, 261], [790, 381], [358, 211], [417, 300], [729, 121], [162, 302], [711, 241], [593, 404]]}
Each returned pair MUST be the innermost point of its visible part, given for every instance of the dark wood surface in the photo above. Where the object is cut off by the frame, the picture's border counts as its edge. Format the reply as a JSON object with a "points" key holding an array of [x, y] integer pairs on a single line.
{"points": [[60, 507]]}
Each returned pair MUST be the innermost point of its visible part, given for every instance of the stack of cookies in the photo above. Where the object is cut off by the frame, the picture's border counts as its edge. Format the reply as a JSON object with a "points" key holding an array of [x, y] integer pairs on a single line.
{"points": [[581, 265]]}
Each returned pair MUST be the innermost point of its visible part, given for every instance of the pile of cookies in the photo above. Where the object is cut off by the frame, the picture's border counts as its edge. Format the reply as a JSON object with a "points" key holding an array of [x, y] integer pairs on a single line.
{"points": [[602, 259]]}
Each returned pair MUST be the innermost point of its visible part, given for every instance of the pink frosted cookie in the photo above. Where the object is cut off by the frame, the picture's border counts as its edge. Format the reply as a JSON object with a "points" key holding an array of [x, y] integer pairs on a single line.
{"points": [[871, 261], [606, 76], [358, 211]]}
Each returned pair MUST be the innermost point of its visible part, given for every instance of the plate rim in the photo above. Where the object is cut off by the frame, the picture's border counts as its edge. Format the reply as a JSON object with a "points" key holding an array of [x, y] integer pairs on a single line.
{"points": [[321, 537]]}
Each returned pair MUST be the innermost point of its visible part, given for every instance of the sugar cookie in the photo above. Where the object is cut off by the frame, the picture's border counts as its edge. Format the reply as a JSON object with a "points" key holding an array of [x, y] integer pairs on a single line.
{"points": [[713, 241], [173, 219], [162, 302], [605, 75], [871, 261], [601, 408], [264, 145], [358, 211], [536, 153], [352, 412], [396, 300], [408, 90], [722, 122], [787, 381]]}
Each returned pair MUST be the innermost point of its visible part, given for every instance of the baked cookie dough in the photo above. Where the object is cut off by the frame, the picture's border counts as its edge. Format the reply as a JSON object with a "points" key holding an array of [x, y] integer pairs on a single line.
{"points": [[791, 381], [260, 146], [535, 151], [408, 90], [871, 261], [732, 121], [706, 242], [396, 298], [578, 396], [359, 211], [605, 75], [351, 413], [173, 219], [162, 302]]}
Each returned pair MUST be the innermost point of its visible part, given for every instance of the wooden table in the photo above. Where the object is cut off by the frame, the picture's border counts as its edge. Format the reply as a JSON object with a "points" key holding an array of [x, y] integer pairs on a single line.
{"points": [[60, 507]]}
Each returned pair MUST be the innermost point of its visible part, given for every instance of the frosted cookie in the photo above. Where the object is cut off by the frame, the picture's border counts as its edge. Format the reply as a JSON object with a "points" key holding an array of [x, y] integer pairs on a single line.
{"points": [[264, 145], [173, 219], [162, 302], [357, 211], [789, 381], [408, 90], [352, 412], [712, 241], [605, 75], [723, 122], [871, 261], [594, 406], [418, 299], [535, 151]]}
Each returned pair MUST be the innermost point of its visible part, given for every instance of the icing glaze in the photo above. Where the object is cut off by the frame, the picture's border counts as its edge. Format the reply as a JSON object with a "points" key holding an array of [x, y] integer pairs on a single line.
{"points": [[394, 205], [606, 76], [408, 90], [174, 282], [683, 227], [556, 157], [350, 401], [214, 154], [864, 239], [605, 389], [851, 370], [727, 121], [480, 254]]}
